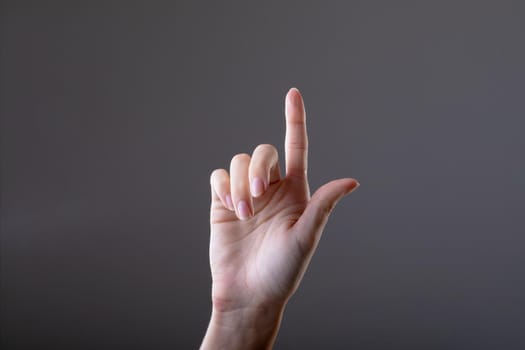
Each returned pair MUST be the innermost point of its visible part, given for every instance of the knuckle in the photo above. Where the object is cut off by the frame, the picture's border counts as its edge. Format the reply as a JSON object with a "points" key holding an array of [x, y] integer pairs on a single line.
{"points": [[323, 213], [298, 144], [265, 147], [215, 172], [327, 210], [218, 173], [240, 157]]}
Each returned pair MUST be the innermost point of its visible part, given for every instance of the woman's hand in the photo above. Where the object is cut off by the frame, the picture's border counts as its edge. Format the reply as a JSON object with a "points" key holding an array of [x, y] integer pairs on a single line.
{"points": [[264, 230]]}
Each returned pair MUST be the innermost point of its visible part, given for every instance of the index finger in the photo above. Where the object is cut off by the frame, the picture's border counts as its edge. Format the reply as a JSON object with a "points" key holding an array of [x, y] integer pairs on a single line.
{"points": [[296, 139]]}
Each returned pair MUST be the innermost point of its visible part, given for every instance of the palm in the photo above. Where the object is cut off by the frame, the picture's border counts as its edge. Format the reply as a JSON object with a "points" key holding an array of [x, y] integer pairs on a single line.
{"points": [[261, 258]]}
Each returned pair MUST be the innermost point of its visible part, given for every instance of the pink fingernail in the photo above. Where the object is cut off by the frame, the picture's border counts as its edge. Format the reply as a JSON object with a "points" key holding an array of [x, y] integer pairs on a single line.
{"points": [[257, 187], [353, 188], [244, 210], [229, 202]]}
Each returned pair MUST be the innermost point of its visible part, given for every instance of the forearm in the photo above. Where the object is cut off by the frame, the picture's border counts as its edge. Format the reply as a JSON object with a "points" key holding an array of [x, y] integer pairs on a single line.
{"points": [[254, 328]]}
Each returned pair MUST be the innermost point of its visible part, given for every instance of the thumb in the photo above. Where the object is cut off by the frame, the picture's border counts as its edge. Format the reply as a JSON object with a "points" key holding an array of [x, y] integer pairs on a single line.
{"points": [[314, 218]]}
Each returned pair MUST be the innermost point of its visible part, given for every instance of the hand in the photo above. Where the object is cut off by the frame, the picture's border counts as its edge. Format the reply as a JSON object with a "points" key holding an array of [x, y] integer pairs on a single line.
{"points": [[264, 230]]}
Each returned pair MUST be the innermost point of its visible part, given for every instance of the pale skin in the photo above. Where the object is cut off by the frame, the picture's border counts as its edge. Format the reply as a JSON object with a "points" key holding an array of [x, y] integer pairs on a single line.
{"points": [[264, 231]]}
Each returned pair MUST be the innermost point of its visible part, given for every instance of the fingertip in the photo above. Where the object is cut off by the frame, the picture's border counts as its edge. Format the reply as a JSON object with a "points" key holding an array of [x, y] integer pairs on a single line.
{"points": [[354, 184], [294, 96], [292, 89]]}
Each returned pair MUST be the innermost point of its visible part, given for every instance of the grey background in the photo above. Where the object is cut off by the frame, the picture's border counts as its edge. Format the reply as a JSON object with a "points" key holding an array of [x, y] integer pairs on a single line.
{"points": [[114, 115]]}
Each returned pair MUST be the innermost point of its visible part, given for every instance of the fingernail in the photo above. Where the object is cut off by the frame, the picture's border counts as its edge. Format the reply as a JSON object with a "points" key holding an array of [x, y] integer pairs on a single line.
{"points": [[244, 210], [229, 202], [357, 184], [257, 187]]}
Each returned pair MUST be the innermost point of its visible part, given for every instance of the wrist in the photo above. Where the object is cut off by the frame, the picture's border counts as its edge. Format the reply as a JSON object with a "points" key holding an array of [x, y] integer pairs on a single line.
{"points": [[253, 327], [253, 317]]}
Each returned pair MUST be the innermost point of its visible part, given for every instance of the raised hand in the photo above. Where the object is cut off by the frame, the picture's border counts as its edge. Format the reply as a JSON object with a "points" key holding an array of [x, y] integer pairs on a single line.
{"points": [[264, 230]]}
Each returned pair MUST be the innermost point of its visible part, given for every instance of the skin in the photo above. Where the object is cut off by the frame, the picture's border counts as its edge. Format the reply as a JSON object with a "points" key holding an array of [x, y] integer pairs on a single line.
{"points": [[264, 231]]}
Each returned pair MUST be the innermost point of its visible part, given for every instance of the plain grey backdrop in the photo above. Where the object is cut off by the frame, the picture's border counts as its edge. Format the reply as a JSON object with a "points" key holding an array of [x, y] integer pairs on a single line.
{"points": [[115, 113]]}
